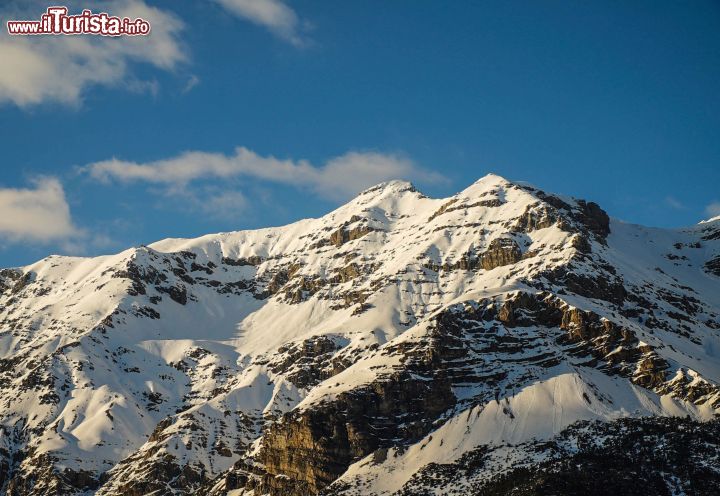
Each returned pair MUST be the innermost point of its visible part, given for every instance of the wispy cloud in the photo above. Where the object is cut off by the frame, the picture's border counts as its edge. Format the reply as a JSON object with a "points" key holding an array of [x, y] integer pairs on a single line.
{"points": [[61, 68], [713, 209], [674, 203], [38, 214], [193, 81], [338, 178], [212, 201], [274, 15]]}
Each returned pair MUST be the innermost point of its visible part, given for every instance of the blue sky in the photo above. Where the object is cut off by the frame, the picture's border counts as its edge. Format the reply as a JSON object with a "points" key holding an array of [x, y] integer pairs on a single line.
{"points": [[238, 114]]}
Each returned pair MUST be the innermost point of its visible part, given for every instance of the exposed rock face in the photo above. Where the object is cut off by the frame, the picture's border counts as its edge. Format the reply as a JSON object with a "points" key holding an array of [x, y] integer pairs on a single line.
{"points": [[713, 266], [308, 363], [599, 284], [502, 251], [594, 218], [44, 479], [348, 273], [311, 449], [13, 280], [588, 216], [342, 236], [625, 452], [445, 340], [455, 204], [537, 216], [711, 232], [160, 477], [614, 349]]}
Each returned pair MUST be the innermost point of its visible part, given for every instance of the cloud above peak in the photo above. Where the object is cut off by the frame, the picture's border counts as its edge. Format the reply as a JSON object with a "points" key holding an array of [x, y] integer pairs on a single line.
{"points": [[338, 178]]}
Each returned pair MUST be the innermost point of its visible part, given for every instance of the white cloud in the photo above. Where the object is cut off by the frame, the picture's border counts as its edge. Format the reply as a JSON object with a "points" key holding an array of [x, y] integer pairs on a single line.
{"points": [[39, 69], [338, 178], [274, 15], [37, 215]]}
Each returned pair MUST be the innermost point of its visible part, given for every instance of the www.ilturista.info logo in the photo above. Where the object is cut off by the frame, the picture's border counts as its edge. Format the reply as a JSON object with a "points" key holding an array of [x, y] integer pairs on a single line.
{"points": [[57, 21]]}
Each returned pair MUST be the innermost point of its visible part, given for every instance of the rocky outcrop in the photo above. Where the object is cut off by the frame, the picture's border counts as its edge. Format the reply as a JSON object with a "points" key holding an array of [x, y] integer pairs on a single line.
{"points": [[537, 216], [308, 450], [38, 475], [583, 216], [625, 452], [501, 251], [598, 284], [454, 205], [593, 218], [713, 266], [252, 261], [610, 347], [446, 207], [13, 280], [160, 475], [712, 232], [343, 235], [310, 361], [178, 293], [613, 348], [348, 273]]}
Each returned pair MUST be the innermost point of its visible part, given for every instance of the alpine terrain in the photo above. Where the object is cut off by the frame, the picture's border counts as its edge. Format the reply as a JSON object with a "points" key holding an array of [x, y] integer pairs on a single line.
{"points": [[504, 340]]}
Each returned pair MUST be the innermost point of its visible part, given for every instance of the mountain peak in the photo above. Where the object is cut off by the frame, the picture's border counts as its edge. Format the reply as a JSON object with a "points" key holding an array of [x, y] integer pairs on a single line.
{"points": [[712, 219], [394, 186], [491, 177]]}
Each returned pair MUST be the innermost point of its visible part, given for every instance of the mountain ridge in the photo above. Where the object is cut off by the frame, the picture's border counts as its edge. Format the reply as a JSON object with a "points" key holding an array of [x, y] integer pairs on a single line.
{"points": [[394, 332]]}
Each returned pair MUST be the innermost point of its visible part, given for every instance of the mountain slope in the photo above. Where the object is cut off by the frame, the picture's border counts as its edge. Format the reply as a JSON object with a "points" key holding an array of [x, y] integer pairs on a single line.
{"points": [[347, 354]]}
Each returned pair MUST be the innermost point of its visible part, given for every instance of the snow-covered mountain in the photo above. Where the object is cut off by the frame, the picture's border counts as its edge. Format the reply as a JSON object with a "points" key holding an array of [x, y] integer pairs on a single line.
{"points": [[398, 345]]}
